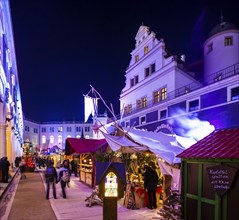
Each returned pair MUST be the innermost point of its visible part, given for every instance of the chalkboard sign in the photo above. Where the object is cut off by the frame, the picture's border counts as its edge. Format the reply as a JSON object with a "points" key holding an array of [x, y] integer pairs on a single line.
{"points": [[221, 178]]}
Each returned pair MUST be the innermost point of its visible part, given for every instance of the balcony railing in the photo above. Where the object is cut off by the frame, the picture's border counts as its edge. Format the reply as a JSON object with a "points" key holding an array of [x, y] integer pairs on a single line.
{"points": [[213, 78]]}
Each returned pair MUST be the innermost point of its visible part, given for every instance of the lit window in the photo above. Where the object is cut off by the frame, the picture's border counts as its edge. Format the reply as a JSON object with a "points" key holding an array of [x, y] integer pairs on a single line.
{"points": [[59, 129], [144, 102], [43, 139], [136, 58], [156, 96], [68, 136], [59, 139], [139, 104], [146, 50], [51, 139], [228, 41], [111, 185], [78, 136], [130, 108], [163, 93], [235, 93], [193, 105]]}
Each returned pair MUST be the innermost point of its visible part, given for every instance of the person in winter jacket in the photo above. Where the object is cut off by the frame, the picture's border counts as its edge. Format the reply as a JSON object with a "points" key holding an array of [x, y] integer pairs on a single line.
{"points": [[51, 179], [150, 184], [61, 172]]}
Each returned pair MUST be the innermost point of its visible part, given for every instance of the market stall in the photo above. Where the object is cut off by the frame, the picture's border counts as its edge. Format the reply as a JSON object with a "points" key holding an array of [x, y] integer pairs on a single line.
{"points": [[137, 148], [211, 177], [89, 150]]}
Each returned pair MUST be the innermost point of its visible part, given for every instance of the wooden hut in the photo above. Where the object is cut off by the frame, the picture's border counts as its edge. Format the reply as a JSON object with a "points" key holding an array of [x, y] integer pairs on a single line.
{"points": [[210, 177]]}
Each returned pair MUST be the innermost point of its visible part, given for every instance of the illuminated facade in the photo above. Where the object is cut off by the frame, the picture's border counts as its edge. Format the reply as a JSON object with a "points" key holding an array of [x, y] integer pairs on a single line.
{"points": [[11, 118], [49, 134], [160, 90]]}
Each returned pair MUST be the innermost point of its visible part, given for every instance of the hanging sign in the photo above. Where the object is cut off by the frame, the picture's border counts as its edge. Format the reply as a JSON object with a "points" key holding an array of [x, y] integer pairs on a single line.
{"points": [[221, 178]]}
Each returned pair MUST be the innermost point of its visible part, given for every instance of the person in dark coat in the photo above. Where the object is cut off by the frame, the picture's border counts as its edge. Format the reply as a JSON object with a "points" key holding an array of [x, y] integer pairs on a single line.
{"points": [[150, 184], [51, 179], [5, 164]]}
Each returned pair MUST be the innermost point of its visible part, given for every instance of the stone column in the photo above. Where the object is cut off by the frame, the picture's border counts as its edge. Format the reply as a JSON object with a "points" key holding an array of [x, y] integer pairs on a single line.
{"points": [[3, 147]]}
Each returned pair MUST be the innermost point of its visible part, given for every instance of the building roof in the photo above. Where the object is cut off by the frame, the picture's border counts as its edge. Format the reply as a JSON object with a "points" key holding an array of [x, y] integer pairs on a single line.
{"points": [[223, 26], [220, 144], [82, 145]]}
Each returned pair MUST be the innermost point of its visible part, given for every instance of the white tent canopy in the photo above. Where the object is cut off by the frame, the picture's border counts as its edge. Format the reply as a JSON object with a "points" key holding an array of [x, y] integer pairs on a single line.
{"points": [[165, 146]]}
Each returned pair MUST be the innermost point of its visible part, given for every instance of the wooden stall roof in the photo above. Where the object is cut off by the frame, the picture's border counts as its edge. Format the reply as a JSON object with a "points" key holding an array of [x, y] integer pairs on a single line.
{"points": [[82, 145], [220, 144], [102, 167]]}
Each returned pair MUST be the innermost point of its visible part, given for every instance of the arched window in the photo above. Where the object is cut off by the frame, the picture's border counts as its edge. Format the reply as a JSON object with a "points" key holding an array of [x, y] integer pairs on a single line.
{"points": [[111, 185], [51, 139], [43, 139]]}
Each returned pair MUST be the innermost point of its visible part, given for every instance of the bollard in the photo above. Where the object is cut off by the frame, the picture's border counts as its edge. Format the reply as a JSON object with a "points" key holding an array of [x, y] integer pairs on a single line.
{"points": [[110, 208]]}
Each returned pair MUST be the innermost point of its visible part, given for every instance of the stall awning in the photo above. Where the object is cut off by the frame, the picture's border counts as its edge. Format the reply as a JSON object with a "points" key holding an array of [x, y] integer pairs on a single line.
{"points": [[81, 145]]}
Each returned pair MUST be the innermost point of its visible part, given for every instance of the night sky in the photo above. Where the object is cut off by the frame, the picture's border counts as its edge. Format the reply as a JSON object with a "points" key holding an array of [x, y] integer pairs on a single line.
{"points": [[64, 46]]}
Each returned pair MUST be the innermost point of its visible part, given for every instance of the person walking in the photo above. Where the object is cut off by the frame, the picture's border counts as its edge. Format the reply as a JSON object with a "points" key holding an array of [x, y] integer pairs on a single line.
{"points": [[51, 179], [22, 167], [150, 184], [64, 177]]}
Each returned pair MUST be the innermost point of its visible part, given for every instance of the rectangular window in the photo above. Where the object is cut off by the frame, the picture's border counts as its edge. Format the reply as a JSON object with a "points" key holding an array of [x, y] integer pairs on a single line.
{"points": [[136, 79], [59, 129], [68, 129], [78, 129], [131, 82], [43, 129], [35, 130], [136, 58], [130, 108], [139, 104], [156, 96], [152, 68], [228, 41], [146, 50], [51, 129], [193, 105], [163, 114], [144, 102], [235, 93], [146, 72], [163, 93], [142, 120], [87, 129]]}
